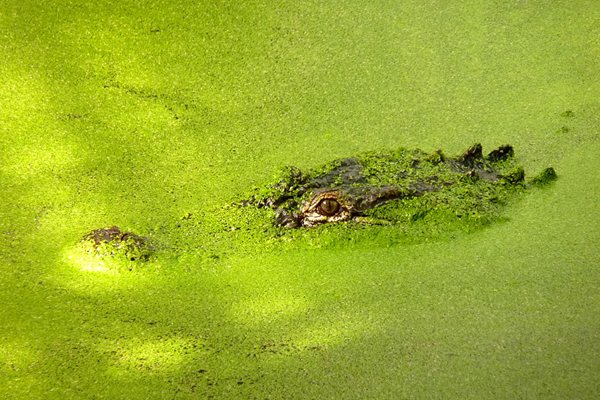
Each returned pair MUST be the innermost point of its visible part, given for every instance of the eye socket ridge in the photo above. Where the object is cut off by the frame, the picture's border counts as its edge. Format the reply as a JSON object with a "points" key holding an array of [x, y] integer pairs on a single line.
{"points": [[329, 207]]}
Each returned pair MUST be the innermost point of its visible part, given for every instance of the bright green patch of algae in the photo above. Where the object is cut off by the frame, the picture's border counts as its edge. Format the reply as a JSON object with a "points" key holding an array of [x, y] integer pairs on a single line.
{"points": [[137, 114]]}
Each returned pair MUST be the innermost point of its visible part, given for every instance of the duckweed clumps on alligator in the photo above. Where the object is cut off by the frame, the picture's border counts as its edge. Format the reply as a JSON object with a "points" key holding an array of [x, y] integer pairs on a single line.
{"points": [[545, 177], [114, 242], [410, 183], [401, 196]]}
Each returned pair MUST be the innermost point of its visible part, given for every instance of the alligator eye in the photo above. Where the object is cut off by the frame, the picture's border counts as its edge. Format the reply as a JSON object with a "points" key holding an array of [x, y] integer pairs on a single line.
{"points": [[328, 207]]}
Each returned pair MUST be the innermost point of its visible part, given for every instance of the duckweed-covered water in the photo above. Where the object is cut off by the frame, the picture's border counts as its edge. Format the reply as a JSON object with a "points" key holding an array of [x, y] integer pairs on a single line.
{"points": [[152, 115]]}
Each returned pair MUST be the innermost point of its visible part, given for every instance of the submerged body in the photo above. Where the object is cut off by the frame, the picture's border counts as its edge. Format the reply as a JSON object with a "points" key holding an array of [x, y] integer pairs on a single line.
{"points": [[421, 194]]}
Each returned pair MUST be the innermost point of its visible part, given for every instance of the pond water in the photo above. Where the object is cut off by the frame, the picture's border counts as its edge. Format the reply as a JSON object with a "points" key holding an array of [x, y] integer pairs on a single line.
{"points": [[151, 115]]}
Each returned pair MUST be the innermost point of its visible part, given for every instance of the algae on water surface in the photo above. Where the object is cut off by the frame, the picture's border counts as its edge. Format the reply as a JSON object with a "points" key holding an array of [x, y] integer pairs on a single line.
{"points": [[149, 115]]}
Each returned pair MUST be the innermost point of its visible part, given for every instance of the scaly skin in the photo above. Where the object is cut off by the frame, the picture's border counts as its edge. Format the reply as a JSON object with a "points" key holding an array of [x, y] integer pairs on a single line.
{"points": [[401, 187], [348, 188]]}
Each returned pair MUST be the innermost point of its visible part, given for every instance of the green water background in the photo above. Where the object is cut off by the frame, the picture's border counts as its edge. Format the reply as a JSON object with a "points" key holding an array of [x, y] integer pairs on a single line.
{"points": [[138, 113]]}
